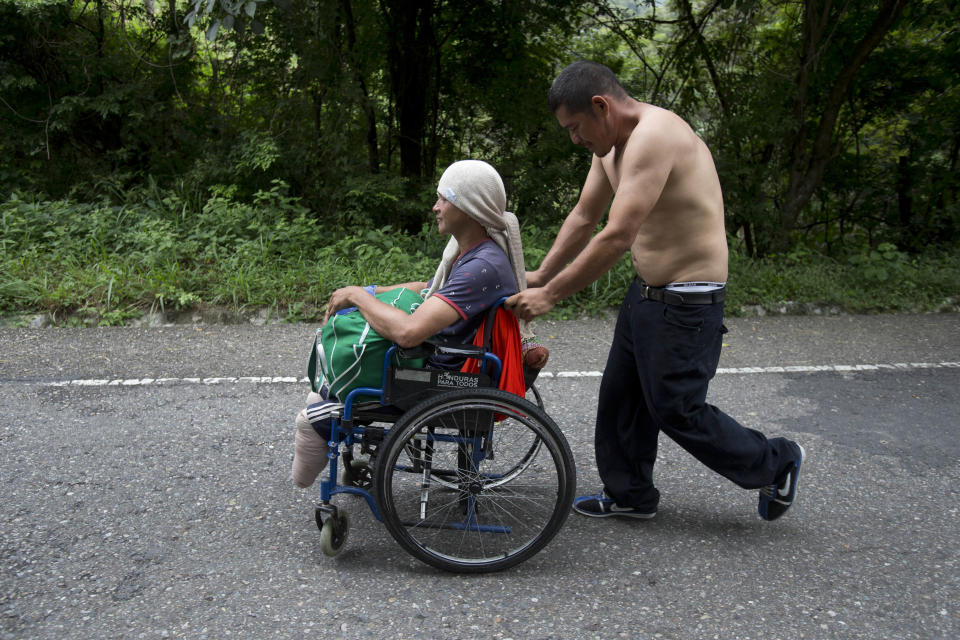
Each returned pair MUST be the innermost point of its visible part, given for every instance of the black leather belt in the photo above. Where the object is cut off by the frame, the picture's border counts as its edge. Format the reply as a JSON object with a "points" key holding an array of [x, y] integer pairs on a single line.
{"points": [[670, 296]]}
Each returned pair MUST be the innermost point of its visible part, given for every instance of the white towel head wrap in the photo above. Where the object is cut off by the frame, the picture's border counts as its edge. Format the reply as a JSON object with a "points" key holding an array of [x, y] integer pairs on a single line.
{"points": [[475, 187]]}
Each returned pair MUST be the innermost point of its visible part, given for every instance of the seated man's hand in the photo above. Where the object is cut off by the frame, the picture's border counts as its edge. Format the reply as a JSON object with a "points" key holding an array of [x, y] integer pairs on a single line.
{"points": [[341, 299], [530, 303]]}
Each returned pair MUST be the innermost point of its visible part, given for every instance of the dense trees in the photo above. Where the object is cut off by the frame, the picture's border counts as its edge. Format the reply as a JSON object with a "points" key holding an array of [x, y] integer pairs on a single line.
{"points": [[834, 125]]}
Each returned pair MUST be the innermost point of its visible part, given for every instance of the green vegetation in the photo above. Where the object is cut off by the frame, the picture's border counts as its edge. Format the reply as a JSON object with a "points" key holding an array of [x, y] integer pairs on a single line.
{"points": [[109, 263], [256, 155], [115, 261]]}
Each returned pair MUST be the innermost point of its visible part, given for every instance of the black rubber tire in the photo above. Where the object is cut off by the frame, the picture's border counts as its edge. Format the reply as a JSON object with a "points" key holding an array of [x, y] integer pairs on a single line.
{"points": [[334, 533], [440, 480]]}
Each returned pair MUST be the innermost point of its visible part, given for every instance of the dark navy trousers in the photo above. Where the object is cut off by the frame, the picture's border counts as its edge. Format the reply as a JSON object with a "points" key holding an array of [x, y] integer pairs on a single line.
{"points": [[661, 360]]}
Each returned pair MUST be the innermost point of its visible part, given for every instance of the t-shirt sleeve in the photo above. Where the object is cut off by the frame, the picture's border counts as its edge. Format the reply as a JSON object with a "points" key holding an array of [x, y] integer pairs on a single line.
{"points": [[473, 288]]}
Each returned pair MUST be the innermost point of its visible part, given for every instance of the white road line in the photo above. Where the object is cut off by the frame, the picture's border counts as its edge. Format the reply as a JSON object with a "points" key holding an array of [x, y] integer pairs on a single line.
{"points": [[544, 375]]}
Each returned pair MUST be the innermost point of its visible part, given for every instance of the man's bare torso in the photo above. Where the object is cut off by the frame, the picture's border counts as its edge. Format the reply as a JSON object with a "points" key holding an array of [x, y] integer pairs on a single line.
{"points": [[683, 238]]}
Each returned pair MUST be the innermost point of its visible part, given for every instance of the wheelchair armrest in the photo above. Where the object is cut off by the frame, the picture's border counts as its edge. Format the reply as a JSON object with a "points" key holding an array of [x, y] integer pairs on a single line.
{"points": [[424, 350], [453, 348], [433, 347], [468, 350]]}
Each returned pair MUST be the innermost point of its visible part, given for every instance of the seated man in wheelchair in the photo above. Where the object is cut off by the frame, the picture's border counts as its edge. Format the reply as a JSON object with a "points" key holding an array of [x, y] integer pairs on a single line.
{"points": [[482, 263]]}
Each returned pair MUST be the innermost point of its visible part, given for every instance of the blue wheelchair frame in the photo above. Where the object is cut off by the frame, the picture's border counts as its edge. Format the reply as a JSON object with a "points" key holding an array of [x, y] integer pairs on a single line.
{"points": [[444, 450], [344, 432]]}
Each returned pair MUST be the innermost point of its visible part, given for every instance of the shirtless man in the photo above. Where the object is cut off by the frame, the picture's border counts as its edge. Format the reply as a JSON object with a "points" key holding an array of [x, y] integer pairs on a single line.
{"points": [[667, 210]]}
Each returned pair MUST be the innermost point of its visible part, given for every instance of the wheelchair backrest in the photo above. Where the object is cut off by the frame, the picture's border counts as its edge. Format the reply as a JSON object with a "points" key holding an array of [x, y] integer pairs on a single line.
{"points": [[403, 387]]}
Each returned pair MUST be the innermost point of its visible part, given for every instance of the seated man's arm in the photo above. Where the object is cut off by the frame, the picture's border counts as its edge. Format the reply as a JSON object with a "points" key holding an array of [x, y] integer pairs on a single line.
{"points": [[392, 323], [416, 287]]}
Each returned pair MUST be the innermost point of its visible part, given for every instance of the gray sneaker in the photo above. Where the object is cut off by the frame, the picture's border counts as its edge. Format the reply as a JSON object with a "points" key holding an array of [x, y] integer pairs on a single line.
{"points": [[775, 499], [600, 506]]}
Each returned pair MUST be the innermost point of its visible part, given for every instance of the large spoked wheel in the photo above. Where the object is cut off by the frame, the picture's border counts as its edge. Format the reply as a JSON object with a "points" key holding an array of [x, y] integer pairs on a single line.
{"points": [[474, 480], [527, 446], [536, 398]]}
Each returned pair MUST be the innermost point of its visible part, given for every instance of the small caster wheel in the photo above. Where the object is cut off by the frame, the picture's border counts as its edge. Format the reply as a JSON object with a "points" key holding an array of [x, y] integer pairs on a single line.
{"points": [[333, 532], [357, 474]]}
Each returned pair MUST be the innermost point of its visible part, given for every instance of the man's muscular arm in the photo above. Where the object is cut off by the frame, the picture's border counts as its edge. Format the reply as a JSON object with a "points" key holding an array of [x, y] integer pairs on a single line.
{"points": [[646, 166], [577, 228]]}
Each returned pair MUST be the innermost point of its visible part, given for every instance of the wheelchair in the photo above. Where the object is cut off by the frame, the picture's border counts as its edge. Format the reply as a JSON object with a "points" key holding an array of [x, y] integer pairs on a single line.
{"points": [[467, 478]]}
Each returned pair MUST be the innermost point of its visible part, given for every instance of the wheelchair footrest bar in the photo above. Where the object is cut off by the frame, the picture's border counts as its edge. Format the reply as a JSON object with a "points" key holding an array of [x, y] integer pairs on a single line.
{"points": [[443, 474], [359, 492], [459, 526]]}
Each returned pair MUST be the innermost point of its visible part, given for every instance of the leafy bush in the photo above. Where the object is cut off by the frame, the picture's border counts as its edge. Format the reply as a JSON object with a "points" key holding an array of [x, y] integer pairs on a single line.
{"points": [[62, 256], [112, 261], [870, 280]]}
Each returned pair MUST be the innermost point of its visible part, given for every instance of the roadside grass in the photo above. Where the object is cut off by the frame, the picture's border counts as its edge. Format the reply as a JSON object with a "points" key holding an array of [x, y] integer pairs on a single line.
{"points": [[109, 264]]}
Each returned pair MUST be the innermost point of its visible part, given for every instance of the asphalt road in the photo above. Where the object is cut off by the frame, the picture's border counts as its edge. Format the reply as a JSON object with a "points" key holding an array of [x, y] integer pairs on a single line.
{"points": [[145, 495]]}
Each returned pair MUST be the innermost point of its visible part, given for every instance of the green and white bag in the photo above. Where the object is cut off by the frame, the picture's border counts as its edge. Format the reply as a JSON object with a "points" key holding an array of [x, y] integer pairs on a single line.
{"points": [[347, 352]]}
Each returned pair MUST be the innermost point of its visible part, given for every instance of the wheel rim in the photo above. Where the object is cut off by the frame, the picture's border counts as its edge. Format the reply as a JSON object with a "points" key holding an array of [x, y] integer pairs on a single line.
{"points": [[490, 480], [465, 494]]}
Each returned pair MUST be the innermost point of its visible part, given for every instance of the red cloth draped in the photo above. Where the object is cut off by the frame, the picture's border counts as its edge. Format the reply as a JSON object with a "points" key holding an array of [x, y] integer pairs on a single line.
{"points": [[505, 343]]}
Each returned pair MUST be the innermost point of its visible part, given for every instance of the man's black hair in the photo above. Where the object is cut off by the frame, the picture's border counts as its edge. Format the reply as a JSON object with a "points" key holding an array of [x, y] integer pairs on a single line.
{"points": [[576, 85]]}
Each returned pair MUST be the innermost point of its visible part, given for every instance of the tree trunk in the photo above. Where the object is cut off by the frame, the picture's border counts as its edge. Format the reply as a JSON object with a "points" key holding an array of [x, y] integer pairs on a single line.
{"points": [[696, 31], [904, 185], [809, 160], [174, 20], [370, 115], [410, 60], [317, 96]]}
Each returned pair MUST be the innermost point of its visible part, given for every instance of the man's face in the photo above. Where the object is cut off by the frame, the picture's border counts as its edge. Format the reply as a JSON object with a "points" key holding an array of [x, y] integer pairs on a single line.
{"points": [[588, 128], [449, 217]]}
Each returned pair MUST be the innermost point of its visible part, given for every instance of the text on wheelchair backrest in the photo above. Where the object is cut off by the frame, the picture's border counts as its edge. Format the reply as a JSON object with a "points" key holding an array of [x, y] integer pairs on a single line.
{"points": [[446, 379]]}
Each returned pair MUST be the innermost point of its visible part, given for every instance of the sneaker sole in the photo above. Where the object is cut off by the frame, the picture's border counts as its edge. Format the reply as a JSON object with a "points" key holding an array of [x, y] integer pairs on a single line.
{"points": [[618, 514]]}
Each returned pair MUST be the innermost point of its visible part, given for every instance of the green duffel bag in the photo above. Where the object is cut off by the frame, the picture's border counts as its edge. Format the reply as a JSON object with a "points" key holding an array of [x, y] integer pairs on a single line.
{"points": [[347, 353]]}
